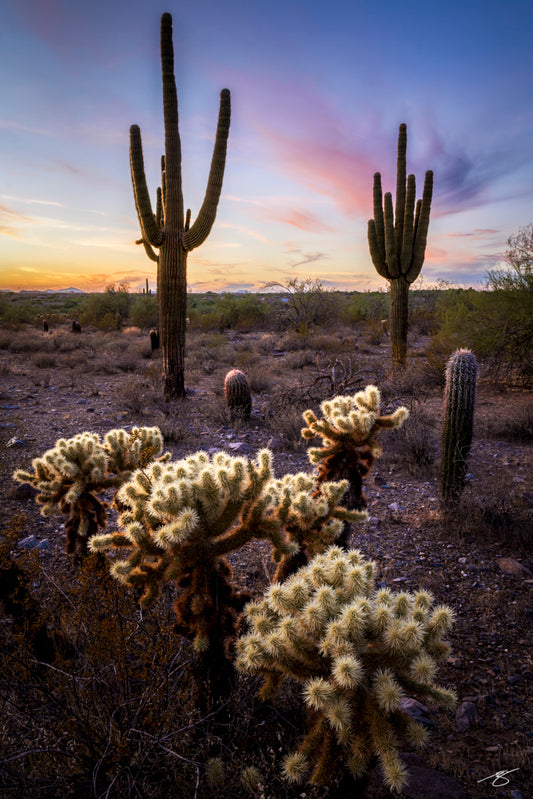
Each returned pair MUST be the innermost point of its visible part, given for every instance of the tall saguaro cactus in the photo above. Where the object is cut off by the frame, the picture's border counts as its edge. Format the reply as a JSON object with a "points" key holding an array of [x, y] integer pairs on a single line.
{"points": [[397, 242], [169, 230]]}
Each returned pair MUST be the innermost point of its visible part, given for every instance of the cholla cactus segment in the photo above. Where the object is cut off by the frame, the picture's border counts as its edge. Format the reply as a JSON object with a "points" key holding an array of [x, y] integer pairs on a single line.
{"points": [[70, 476], [353, 420], [356, 651], [210, 505], [348, 429]]}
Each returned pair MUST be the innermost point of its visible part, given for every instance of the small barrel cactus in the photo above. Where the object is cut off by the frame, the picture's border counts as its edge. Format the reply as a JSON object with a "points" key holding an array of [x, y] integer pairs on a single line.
{"points": [[358, 652], [237, 393], [459, 403]]}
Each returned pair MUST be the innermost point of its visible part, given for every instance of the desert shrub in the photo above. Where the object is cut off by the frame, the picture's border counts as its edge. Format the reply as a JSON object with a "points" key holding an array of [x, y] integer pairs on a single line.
{"points": [[143, 311], [517, 426], [416, 444], [241, 311], [104, 311], [299, 359], [306, 303], [45, 360], [365, 307], [496, 324]]}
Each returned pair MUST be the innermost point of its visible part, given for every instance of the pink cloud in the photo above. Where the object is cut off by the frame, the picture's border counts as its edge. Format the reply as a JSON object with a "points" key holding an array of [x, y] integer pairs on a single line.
{"points": [[301, 219], [330, 169]]}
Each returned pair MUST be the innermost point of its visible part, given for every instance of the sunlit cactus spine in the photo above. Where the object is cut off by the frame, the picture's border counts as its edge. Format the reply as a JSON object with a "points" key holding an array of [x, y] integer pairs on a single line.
{"points": [[459, 406], [358, 652], [237, 394], [397, 241], [169, 230], [71, 476], [348, 429], [314, 519], [180, 522]]}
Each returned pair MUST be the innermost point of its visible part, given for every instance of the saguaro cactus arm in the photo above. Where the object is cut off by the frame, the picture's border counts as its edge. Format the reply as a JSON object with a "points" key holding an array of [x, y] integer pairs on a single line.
{"points": [[199, 231], [420, 233], [150, 230]]}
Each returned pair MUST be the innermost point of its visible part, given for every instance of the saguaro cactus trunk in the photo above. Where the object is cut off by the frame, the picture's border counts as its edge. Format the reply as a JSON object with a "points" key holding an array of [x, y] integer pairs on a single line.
{"points": [[169, 230], [397, 242]]}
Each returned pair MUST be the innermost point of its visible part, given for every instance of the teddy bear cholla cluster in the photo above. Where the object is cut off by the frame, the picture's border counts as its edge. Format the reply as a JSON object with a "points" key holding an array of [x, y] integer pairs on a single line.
{"points": [[357, 651], [205, 506], [71, 476]]}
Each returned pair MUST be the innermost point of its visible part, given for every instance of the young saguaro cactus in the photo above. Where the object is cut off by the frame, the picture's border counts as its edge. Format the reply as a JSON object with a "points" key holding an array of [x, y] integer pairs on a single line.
{"points": [[459, 405], [348, 430], [237, 394], [71, 476], [357, 651], [180, 522], [397, 242], [168, 230]]}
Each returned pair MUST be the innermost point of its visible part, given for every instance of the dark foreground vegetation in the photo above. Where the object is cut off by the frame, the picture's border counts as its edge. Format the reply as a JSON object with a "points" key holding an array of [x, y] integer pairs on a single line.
{"points": [[99, 697]]}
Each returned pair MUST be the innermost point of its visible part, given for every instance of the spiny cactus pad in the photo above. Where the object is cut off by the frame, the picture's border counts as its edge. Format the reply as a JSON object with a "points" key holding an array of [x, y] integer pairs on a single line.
{"points": [[358, 651], [70, 475]]}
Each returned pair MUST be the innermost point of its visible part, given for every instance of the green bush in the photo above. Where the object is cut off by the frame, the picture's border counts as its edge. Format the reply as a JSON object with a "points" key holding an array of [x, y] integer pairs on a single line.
{"points": [[143, 311], [106, 311]]}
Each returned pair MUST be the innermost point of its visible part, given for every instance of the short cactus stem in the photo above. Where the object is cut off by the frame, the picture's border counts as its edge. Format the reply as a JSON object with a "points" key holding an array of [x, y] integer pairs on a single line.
{"points": [[238, 395], [459, 405]]}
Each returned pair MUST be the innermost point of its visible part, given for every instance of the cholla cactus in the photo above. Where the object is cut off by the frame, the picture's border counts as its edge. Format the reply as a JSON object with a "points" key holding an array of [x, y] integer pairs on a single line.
{"points": [[305, 518], [459, 405], [70, 476], [181, 520], [356, 651], [237, 393], [348, 431]]}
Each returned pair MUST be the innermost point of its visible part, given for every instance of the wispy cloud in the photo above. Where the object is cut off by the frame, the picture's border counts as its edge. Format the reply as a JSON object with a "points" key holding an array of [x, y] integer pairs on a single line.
{"points": [[301, 219], [309, 258], [31, 200]]}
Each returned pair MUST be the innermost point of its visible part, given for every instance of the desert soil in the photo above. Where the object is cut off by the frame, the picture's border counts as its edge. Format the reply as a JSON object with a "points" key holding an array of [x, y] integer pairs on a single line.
{"points": [[477, 560]]}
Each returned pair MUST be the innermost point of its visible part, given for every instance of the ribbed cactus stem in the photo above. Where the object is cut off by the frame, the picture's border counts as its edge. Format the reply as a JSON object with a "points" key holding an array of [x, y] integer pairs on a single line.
{"points": [[168, 229], [397, 240], [459, 404], [237, 393]]}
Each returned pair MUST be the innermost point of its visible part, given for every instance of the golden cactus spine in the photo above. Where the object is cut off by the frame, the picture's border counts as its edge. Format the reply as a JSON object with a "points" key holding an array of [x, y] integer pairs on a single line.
{"points": [[237, 394], [397, 241], [169, 230]]}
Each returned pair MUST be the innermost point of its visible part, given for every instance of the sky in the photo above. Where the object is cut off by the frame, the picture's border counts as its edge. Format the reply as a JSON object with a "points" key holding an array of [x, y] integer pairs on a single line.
{"points": [[318, 90]]}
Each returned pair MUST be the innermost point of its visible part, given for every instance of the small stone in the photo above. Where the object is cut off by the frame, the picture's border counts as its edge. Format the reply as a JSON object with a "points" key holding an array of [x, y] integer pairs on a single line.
{"points": [[511, 566], [15, 442], [30, 542], [467, 716]]}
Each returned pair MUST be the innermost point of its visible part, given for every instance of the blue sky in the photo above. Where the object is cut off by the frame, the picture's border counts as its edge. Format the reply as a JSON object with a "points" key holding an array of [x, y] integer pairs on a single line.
{"points": [[318, 92]]}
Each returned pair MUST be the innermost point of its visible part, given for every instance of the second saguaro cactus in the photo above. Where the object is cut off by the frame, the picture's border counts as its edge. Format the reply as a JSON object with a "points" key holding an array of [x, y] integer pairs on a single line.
{"points": [[459, 404], [169, 229], [397, 241]]}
